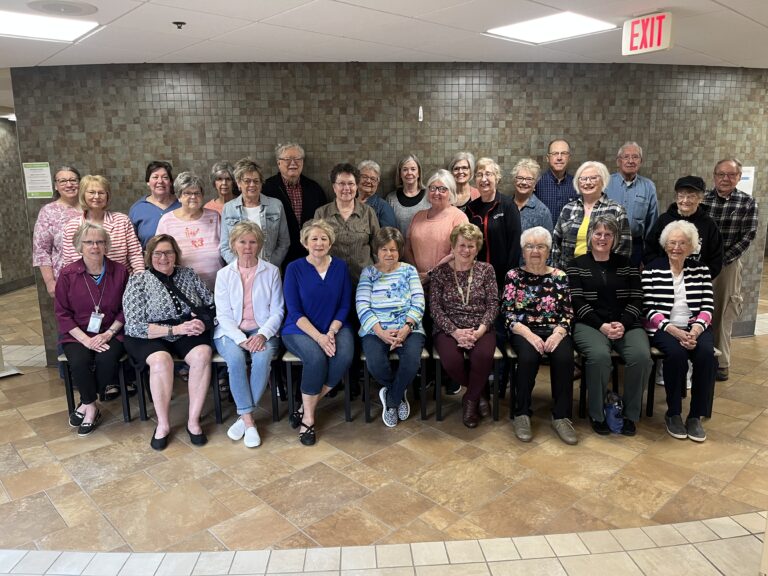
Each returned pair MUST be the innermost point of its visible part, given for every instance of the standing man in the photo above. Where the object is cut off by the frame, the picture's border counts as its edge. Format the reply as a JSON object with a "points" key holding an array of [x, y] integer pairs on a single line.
{"points": [[735, 212], [555, 187], [300, 195], [636, 193]]}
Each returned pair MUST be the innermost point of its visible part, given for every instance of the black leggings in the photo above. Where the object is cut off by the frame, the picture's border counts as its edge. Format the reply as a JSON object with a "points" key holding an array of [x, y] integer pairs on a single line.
{"points": [[93, 371]]}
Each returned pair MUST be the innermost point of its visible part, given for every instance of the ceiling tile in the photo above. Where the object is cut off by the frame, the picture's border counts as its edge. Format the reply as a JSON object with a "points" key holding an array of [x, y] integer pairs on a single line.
{"points": [[17, 52], [250, 10], [151, 18]]}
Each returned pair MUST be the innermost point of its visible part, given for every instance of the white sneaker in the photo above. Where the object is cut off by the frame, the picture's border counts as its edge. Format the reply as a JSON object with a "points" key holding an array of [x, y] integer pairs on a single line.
{"points": [[252, 438], [237, 430]]}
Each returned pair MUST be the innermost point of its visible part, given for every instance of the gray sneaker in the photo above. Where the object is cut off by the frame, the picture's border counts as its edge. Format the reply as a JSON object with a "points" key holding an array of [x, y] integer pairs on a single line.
{"points": [[389, 415], [564, 429], [522, 425], [675, 427], [695, 429], [404, 409]]}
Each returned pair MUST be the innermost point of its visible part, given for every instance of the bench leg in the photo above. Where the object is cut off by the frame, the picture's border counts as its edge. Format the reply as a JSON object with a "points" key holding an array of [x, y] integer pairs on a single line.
{"points": [[582, 396], [291, 392], [651, 390], [124, 392], [495, 391], [216, 394], [439, 392], [68, 390], [347, 397], [512, 386], [273, 391], [423, 390], [141, 383], [367, 392]]}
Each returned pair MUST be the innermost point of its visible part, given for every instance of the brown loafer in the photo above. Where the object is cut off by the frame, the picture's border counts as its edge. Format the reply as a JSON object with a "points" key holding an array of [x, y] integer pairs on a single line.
{"points": [[469, 413], [483, 407]]}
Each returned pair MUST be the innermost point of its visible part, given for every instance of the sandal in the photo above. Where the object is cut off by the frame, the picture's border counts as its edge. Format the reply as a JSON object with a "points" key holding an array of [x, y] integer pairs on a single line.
{"points": [[308, 437], [131, 389], [224, 387], [76, 418], [111, 391], [296, 418]]}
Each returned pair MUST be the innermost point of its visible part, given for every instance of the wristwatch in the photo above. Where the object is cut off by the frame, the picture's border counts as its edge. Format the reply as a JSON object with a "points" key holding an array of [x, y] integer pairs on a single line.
{"points": [[411, 325], [170, 331]]}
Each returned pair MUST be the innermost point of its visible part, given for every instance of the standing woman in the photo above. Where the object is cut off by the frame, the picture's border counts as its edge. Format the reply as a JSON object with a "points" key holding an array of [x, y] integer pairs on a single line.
{"points": [[196, 229], [147, 211], [390, 305], [428, 241], [49, 228], [462, 167], [354, 223], [533, 212], [464, 303], [95, 195], [252, 205], [223, 181], [370, 176], [89, 312], [571, 235], [249, 308], [409, 195], [318, 297]]}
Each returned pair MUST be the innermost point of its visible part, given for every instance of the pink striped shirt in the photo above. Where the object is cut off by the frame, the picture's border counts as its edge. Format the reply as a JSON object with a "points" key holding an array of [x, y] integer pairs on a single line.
{"points": [[125, 247]]}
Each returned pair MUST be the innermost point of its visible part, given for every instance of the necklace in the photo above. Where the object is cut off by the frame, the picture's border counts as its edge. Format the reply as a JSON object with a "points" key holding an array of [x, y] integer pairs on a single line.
{"points": [[464, 299]]}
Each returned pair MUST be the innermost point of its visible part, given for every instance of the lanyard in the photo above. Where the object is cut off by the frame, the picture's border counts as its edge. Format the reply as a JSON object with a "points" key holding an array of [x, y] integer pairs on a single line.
{"points": [[104, 284], [464, 300]]}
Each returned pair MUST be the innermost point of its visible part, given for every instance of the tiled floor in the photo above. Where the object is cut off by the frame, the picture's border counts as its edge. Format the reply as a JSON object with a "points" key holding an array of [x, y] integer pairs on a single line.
{"points": [[425, 498]]}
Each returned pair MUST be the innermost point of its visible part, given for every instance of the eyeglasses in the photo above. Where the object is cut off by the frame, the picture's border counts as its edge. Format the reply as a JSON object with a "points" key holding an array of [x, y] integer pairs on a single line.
{"points": [[163, 254], [729, 175], [485, 175], [558, 153], [289, 160], [164, 178], [67, 181], [89, 243], [602, 235], [584, 179], [539, 247], [251, 181], [634, 157], [345, 185], [95, 193], [461, 168], [372, 179], [439, 189], [526, 179], [677, 243], [687, 195], [191, 194], [223, 179]]}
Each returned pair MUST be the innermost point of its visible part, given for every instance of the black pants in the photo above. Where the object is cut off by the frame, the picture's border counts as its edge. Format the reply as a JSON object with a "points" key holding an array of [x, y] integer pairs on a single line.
{"points": [[93, 371], [561, 376]]}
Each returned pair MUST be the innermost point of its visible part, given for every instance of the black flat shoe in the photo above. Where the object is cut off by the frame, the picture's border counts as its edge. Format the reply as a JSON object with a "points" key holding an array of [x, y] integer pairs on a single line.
{"points": [[87, 427], [131, 389], [197, 439], [308, 437], [159, 443], [295, 419], [600, 427], [629, 428], [111, 392], [76, 418]]}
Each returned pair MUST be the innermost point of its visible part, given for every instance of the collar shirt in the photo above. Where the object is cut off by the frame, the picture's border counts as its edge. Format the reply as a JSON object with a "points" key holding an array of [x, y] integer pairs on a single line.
{"points": [[535, 213], [639, 200], [295, 196], [555, 193], [736, 216]]}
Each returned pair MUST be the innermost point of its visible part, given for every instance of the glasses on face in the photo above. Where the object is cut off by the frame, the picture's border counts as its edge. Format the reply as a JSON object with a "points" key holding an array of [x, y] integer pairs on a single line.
{"points": [[191, 194], [489, 175], [371, 179], [633, 157], [89, 243], [461, 169], [538, 247], [438, 189], [251, 181], [564, 154], [223, 179], [164, 178], [345, 185], [686, 195], [292, 160], [602, 235], [729, 175], [677, 243], [95, 193], [67, 181], [526, 179], [585, 179], [159, 254]]}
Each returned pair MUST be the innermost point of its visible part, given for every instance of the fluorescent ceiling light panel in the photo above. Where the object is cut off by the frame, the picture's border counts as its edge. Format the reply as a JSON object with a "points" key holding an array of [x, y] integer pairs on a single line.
{"points": [[552, 28], [43, 27]]}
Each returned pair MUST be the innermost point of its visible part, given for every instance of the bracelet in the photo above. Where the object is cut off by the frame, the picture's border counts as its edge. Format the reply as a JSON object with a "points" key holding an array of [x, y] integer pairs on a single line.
{"points": [[333, 331], [411, 325], [170, 331]]}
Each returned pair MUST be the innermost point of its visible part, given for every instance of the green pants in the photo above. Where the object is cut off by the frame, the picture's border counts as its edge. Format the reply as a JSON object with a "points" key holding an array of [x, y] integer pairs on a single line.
{"points": [[595, 349]]}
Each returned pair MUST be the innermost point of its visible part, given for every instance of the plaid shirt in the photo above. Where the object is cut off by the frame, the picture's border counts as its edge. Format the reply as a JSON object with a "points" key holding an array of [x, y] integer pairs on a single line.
{"points": [[555, 194], [564, 238], [295, 196], [736, 216]]}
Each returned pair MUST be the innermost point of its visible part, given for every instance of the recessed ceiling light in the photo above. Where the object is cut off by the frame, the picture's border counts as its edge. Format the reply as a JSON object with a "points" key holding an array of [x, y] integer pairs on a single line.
{"points": [[62, 7], [43, 27], [552, 28]]}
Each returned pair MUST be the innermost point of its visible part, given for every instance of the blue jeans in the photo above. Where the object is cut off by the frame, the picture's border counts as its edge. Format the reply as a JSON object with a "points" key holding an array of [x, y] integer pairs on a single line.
{"points": [[319, 369], [247, 395], [377, 359]]}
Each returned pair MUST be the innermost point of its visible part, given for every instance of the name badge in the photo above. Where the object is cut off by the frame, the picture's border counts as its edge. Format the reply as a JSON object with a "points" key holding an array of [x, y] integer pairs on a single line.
{"points": [[94, 326]]}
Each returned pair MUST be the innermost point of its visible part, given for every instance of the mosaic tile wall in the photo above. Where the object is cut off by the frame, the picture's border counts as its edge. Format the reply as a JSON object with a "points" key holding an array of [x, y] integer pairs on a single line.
{"points": [[114, 119], [15, 246]]}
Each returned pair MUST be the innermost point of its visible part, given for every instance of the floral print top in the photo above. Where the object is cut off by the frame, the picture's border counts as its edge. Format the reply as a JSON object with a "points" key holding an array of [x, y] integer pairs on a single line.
{"points": [[389, 298], [47, 249], [541, 302]]}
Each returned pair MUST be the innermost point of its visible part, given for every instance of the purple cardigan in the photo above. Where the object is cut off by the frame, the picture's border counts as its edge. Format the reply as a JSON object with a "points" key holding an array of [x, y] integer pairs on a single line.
{"points": [[73, 304]]}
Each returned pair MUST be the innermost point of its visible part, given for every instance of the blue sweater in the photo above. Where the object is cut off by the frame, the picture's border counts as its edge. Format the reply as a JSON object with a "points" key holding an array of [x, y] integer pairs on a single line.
{"points": [[321, 301]]}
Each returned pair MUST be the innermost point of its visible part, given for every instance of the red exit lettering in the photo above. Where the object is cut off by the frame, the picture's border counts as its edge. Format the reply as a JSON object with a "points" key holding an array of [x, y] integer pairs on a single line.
{"points": [[646, 32]]}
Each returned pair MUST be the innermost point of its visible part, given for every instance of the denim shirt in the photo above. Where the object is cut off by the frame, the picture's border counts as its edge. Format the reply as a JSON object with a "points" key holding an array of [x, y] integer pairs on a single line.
{"points": [[639, 200], [276, 238]]}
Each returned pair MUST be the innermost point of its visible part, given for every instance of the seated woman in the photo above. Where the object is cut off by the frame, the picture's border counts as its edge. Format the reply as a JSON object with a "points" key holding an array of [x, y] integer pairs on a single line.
{"points": [[318, 297], [537, 312], [390, 305], [428, 240], [249, 309], [89, 313], [464, 303], [678, 303], [160, 306], [607, 301]]}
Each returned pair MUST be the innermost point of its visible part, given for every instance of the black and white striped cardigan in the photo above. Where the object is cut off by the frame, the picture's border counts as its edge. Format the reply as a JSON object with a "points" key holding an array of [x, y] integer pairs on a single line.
{"points": [[659, 293]]}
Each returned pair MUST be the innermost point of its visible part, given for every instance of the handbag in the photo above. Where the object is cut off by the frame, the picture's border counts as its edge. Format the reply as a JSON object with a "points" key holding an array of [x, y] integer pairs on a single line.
{"points": [[206, 313], [614, 412]]}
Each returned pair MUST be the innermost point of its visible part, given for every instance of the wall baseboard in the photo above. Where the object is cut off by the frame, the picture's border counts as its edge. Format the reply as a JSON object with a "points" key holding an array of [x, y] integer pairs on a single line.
{"points": [[17, 284]]}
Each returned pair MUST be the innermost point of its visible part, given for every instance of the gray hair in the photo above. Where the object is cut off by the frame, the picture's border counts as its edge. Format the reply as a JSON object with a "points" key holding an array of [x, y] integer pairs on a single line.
{"points": [[403, 160], [493, 165], [533, 232], [447, 179], [281, 148], [369, 165], [468, 156], [219, 169], [188, 180], [630, 144], [683, 226], [77, 239], [734, 160], [527, 164], [610, 223], [245, 165], [602, 171]]}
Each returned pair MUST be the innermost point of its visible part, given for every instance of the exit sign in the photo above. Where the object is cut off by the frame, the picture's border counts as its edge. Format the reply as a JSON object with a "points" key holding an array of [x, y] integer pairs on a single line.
{"points": [[647, 33]]}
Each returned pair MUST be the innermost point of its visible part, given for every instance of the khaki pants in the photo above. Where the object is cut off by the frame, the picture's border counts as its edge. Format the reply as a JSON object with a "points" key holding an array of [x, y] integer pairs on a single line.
{"points": [[728, 305]]}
